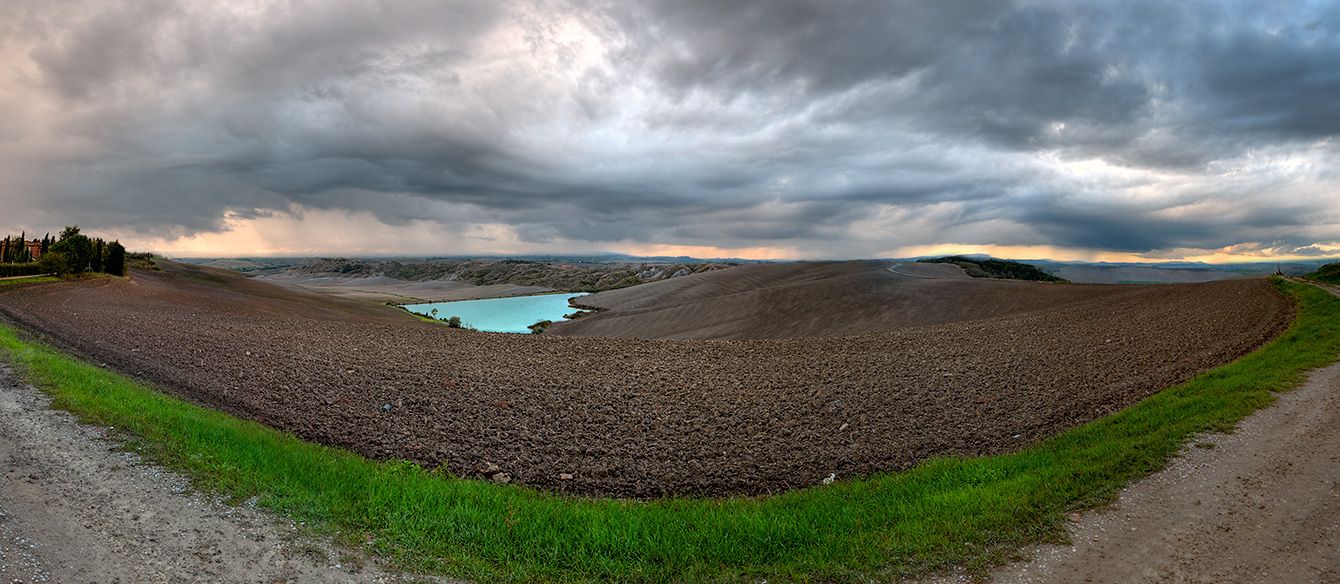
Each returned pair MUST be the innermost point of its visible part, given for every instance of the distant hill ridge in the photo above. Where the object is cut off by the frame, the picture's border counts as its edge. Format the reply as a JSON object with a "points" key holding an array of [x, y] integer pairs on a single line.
{"points": [[998, 269], [578, 276]]}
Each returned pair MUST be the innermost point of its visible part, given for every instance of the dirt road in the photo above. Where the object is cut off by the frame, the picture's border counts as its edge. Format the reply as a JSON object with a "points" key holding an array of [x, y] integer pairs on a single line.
{"points": [[1260, 505], [74, 508]]}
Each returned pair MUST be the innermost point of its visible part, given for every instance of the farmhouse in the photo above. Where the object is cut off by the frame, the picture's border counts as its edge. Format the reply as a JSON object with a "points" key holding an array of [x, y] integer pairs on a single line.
{"points": [[15, 243]]}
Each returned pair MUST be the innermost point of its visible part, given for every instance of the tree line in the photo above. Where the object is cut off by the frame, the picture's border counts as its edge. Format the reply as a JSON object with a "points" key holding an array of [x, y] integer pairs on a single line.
{"points": [[71, 253]]}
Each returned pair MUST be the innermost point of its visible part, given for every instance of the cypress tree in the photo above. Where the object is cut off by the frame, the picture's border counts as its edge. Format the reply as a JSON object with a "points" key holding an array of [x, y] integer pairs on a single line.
{"points": [[116, 259], [97, 255], [46, 243]]}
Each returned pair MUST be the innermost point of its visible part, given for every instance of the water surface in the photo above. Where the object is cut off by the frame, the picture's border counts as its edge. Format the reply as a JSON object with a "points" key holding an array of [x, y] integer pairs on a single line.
{"points": [[501, 315]]}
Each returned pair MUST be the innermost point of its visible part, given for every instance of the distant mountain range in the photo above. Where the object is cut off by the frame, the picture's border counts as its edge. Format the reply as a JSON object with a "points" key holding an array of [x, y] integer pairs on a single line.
{"points": [[1074, 271]]}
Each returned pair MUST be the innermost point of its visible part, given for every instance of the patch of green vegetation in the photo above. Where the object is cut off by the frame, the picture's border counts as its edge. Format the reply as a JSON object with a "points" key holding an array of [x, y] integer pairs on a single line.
{"points": [[402, 308], [993, 268], [948, 511], [539, 327], [20, 269], [143, 261], [28, 280], [1329, 273], [450, 321]]}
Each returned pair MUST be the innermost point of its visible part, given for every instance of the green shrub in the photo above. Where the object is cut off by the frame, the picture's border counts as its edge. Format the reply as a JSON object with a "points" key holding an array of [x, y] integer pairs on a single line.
{"points": [[76, 248], [24, 269], [141, 261], [54, 262], [538, 328]]}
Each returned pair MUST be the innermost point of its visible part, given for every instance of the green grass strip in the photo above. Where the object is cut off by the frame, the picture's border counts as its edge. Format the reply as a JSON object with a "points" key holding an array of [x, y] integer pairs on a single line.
{"points": [[27, 280], [948, 511]]}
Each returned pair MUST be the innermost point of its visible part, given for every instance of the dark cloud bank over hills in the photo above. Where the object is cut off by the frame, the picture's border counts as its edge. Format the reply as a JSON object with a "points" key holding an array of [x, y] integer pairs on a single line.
{"points": [[834, 129]]}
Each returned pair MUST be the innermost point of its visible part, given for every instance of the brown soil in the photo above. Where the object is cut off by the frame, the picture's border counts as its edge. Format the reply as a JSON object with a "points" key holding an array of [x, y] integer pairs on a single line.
{"points": [[631, 417], [815, 299]]}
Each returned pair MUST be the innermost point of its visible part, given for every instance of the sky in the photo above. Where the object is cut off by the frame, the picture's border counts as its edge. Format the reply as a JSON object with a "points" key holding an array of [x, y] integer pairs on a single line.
{"points": [[1117, 131]]}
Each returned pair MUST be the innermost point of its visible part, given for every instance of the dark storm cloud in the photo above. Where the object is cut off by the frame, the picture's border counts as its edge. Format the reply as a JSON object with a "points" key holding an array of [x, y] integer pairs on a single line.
{"points": [[845, 127]]}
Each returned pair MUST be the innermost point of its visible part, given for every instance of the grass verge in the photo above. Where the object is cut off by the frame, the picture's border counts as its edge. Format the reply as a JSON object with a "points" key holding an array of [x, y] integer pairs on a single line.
{"points": [[27, 280], [948, 511]]}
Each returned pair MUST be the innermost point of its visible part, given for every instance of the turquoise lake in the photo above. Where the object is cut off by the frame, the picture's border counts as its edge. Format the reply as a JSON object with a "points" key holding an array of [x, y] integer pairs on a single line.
{"points": [[501, 315]]}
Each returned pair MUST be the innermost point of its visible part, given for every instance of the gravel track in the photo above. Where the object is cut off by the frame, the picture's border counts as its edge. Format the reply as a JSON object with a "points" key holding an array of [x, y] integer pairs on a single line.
{"points": [[74, 507], [645, 418]]}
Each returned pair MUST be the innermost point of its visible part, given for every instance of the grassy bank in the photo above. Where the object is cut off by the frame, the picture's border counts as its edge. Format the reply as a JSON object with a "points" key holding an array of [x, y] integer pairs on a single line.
{"points": [[27, 280], [1329, 273], [944, 512]]}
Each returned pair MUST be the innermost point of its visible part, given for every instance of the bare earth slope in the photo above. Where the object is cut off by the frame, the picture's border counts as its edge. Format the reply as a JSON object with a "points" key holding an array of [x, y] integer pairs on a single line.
{"points": [[1102, 274], [814, 299], [633, 417]]}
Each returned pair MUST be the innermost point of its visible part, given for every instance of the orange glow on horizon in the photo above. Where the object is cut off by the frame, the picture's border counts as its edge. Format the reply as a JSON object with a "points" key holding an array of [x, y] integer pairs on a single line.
{"points": [[305, 232], [1224, 255], [709, 252]]}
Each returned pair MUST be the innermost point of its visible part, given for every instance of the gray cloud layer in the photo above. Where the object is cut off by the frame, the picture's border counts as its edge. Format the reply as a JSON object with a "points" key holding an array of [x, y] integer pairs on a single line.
{"points": [[837, 128]]}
